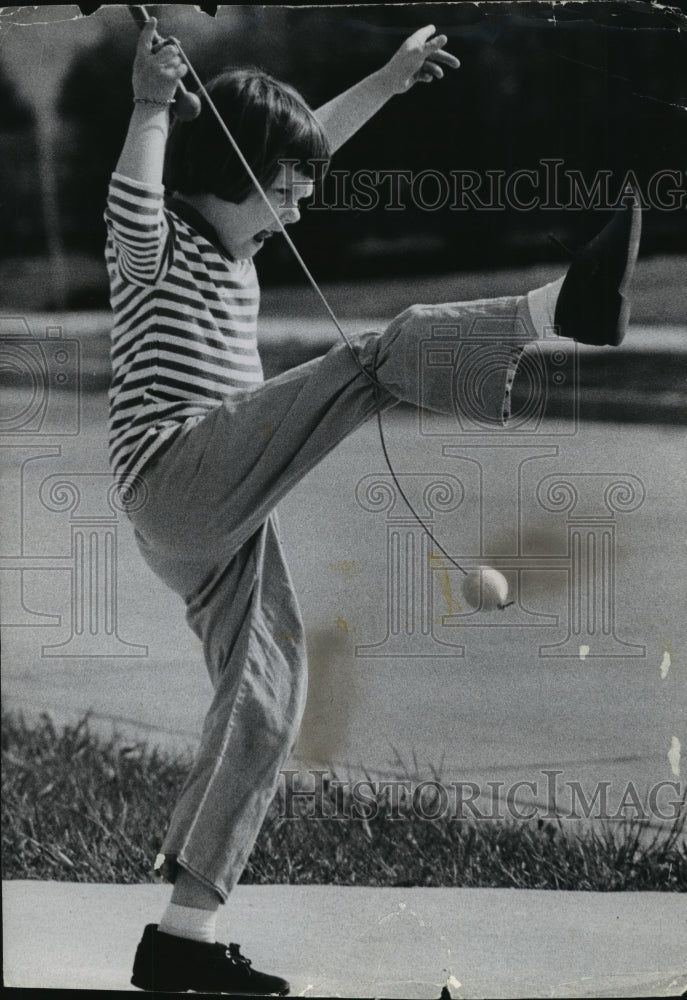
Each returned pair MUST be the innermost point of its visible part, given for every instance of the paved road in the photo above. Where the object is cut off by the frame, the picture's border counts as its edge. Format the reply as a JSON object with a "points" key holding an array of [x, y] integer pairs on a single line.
{"points": [[369, 942], [403, 680]]}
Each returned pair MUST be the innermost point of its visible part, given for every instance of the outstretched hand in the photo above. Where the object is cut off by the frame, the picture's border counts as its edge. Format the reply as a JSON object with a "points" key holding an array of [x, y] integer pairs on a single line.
{"points": [[420, 59], [158, 68]]}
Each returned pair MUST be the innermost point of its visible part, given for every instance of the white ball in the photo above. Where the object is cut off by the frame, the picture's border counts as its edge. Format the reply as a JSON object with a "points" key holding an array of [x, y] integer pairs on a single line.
{"points": [[485, 589]]}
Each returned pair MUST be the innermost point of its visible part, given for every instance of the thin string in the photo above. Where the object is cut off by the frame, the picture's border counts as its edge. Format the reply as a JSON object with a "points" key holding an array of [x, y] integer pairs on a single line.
{"points": [[318, 291]]}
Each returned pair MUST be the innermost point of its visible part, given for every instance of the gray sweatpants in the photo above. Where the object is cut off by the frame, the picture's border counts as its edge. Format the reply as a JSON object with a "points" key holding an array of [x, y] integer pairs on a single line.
{"points": [[208, 529]]}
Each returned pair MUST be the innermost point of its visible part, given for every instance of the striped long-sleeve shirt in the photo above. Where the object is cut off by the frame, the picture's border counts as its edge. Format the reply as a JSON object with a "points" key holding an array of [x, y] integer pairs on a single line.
{"points": [[185, 319]]}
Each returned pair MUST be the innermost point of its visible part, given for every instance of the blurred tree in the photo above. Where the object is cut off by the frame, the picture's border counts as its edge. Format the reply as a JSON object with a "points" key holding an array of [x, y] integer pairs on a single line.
{"points": [[20, 215], [15, 112], [95, 104]]}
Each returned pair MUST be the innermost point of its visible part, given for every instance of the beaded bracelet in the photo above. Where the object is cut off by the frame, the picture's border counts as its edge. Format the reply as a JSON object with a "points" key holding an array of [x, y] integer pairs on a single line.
{"points": [[155, 104]]}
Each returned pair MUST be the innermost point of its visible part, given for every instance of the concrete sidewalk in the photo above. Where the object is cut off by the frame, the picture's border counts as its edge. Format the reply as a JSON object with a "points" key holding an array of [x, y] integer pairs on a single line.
{"points": [[334, 941]]}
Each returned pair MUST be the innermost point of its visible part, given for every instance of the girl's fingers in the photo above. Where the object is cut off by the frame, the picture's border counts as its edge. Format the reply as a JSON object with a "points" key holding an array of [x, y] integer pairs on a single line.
{"points": [[423, 77], [174, 71], [147, 34], [422, 36], [164, 45], [432, 69], [446, 58], [169, 58]]}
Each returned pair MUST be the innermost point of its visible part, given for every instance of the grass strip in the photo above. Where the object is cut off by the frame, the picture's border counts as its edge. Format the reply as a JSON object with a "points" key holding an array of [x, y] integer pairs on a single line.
{"points": [[79, 808]]}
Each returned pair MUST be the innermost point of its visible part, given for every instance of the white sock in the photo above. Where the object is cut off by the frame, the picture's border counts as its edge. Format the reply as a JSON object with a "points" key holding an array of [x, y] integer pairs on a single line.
{"points": [[541, 305], [189, 922]]}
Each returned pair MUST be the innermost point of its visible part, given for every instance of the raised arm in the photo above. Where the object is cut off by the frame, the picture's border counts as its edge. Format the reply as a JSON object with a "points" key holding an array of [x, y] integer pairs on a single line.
{"points": [[419, 60], [136, 223], [155, 78]]}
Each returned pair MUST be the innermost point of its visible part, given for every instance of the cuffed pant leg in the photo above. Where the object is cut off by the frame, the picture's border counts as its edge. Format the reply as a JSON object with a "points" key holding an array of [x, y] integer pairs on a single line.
{"points": [[254, 646], [457, 358]]}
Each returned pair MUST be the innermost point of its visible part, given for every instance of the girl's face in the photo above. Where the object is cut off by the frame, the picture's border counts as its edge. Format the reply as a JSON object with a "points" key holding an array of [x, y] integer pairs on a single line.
{"points": [[244, 227]]}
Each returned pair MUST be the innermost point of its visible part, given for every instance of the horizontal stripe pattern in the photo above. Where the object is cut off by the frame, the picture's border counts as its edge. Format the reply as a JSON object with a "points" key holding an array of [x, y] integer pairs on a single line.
{"points": [[185, 321]]}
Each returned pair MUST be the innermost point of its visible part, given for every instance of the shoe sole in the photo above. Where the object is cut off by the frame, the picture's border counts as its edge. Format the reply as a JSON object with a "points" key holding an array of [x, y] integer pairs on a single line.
{"points": [[190, 989]]}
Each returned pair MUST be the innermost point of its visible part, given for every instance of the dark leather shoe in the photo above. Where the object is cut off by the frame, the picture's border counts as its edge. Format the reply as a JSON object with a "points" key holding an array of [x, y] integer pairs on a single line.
{"points": [[593, 306], [166, 963]]}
